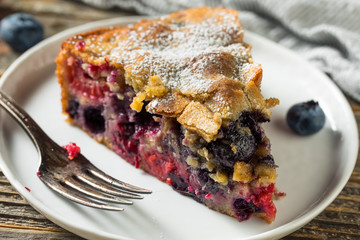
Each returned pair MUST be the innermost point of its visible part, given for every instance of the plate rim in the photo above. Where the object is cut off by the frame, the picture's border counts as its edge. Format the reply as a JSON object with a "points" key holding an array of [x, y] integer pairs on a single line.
{"points": [[280, 231]]}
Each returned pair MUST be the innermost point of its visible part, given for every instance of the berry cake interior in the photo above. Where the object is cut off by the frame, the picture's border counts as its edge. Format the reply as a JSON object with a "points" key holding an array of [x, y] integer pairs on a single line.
{"points": [[178, 97]]}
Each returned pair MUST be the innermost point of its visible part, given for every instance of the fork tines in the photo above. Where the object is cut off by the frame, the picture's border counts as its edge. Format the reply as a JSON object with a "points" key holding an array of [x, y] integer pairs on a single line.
{"points": [[89, 185]]}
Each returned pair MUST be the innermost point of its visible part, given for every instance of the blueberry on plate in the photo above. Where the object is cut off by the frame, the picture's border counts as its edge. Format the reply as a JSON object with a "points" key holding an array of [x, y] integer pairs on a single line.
{"points": [[306, 118], [21, 31]]}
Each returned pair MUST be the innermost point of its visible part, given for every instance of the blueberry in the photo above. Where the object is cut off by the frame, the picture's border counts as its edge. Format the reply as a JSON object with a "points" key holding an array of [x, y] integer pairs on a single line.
{"points": [[21, 31], [73, 108], [268, 160], [244, 209], [252, 120], [178, 183], [202, 176], [306, 118], [237, 145], [206, 182], [94, 120]]}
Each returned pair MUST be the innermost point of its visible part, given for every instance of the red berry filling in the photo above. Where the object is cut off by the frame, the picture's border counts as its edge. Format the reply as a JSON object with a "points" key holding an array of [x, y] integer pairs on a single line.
{"points": [[84, 83], [157, 144], [80, 45]]}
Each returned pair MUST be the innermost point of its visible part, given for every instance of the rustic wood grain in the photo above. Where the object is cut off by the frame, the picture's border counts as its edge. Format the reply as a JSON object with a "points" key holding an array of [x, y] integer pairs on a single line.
{"points": [[18, 220]]}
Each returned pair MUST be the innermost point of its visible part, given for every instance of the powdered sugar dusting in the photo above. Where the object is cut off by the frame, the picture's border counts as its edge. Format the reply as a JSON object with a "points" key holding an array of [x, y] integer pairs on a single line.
{"points": [[181, 54]]}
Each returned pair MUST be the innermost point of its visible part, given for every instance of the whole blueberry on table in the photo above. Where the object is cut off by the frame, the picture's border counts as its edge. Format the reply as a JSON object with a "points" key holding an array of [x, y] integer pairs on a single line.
{"points": [[21, 31], [306, 118]]}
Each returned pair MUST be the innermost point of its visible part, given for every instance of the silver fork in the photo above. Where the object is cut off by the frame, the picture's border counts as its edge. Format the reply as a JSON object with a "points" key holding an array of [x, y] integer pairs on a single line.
{"points": [[76, 179]]}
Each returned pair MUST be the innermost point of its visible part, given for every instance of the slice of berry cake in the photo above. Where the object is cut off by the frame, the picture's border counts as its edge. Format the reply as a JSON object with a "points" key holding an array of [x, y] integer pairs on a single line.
{"points": [[178, 97]]}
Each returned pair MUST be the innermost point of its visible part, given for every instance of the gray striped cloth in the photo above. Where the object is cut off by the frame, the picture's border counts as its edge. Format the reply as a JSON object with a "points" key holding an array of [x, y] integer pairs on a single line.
{"points": [[325, 32]]}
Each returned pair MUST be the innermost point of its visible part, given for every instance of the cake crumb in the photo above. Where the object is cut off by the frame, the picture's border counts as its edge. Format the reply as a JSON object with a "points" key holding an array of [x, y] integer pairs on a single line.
{"points": [[137, 103], [243, 172], [72, 149], [220, 177]]}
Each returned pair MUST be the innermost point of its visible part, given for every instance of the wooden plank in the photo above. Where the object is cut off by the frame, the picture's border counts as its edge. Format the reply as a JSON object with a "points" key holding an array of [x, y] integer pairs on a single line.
{"points": [[339, 217], [61, 9], [334, 227], [26, 218], [6, 188], [30, 234], [14, 199]]}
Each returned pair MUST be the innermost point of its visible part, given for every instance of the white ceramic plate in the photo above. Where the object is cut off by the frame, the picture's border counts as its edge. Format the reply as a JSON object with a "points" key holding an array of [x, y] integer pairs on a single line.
{"points": [[313, 170]]}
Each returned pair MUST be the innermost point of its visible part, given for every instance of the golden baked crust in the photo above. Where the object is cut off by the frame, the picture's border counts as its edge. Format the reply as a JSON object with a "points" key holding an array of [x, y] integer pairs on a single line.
{"points": [[192, 65]]}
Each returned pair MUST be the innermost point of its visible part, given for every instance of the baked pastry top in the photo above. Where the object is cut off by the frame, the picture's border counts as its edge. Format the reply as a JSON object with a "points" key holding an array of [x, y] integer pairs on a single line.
{"points": [[192, 65]]}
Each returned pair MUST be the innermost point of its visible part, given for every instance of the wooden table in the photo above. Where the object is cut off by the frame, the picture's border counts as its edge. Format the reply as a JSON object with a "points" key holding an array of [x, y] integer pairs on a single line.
{"points": [[18, 220]]}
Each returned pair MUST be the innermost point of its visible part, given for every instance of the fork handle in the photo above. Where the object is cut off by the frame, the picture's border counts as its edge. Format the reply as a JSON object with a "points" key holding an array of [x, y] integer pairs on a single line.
{"points": [[23, 118]]}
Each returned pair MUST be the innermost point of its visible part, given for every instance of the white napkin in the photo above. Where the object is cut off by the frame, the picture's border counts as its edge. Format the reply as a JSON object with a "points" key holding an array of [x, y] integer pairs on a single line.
{"points": [[325, 32]]}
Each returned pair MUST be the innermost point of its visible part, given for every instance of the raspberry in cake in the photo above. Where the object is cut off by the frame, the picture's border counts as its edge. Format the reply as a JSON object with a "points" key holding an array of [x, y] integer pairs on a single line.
{"points": [[180, 98]]}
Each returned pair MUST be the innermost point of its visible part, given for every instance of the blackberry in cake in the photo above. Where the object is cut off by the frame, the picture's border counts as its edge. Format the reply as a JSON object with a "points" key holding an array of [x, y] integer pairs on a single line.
{"points": [[178, 97]]}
